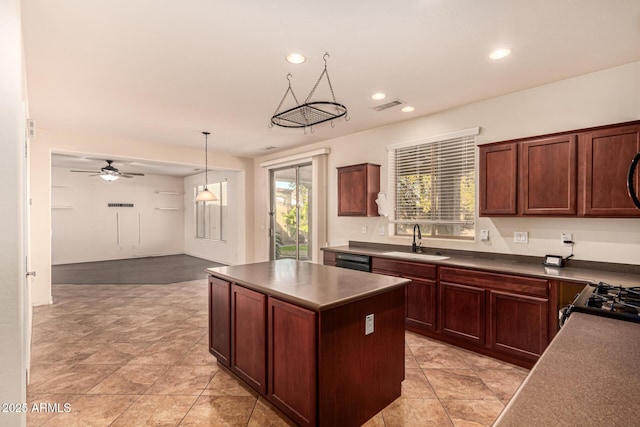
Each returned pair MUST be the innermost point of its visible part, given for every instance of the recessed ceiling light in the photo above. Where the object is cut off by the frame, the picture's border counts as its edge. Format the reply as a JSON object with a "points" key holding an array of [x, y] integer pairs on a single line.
{"points": [[499, 53], [296, 58], [378, 96], [407, 109]]}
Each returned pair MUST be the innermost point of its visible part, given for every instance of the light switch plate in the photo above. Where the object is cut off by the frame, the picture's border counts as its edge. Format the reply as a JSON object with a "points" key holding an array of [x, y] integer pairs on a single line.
{"points": [[484, 235], [368, 324], [364, 229]]}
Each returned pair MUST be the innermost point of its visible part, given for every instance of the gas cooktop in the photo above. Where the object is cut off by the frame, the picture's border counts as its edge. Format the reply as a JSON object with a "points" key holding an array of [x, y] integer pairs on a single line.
{"points": [[610, 301]]}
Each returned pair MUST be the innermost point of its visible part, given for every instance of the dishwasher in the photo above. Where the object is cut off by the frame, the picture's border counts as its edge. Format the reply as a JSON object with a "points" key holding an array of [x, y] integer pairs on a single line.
{"points": [[353, 261]]}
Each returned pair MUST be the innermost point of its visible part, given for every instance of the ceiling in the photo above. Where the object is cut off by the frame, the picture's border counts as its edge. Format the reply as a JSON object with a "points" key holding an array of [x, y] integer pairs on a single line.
{"points": [[165, 71], [147, 167]]}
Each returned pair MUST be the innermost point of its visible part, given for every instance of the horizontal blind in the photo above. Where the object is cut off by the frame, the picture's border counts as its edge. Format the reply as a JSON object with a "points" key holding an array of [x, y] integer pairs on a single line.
{"points": [[434, 182]]}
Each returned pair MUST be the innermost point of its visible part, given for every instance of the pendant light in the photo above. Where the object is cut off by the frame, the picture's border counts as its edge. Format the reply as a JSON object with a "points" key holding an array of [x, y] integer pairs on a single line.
{"points": [[206, 195]]}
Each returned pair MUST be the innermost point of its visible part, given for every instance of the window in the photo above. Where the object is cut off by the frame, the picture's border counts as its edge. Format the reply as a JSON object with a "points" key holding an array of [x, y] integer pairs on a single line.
{"points": [[210, 216], [432, 183]]}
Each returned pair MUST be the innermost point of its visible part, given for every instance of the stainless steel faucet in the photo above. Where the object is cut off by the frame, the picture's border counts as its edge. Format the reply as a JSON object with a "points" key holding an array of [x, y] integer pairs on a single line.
{"points": [[416, 248]]}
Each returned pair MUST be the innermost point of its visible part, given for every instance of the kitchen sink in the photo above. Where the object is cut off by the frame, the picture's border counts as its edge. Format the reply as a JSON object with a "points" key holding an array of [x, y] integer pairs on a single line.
{"points": [[418, 257]]}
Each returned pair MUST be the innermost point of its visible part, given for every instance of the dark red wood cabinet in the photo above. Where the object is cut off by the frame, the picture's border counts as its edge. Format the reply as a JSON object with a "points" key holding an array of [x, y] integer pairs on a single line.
{"points": [[580, 173], [462, 310], [220, 320], [292, 355], [498, 179], [548, 176], [248, 336], [358, 188], [605, 159]]}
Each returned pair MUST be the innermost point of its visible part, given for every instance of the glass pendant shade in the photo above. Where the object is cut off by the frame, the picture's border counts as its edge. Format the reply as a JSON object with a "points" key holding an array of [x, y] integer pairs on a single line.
{"points": [[206, 195]]}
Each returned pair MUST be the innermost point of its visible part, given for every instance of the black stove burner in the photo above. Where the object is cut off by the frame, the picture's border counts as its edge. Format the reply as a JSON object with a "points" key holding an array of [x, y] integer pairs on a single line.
{"points": [[610, 301]]}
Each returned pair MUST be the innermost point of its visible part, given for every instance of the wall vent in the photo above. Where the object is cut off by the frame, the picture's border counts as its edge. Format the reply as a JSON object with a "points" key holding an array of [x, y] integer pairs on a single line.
{"points": [[120, 205], [389, 104]]}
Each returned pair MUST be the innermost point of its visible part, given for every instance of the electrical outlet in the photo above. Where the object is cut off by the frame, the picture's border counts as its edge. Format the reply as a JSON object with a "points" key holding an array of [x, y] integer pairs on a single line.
{"points": [[484, 235], [521, 237], [368, 324], [566, 237], [381, 230], [364, 229]]}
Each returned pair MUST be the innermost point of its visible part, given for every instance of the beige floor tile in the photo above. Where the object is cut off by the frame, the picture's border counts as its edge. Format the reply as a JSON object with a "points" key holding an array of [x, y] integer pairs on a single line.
{"points": [[76, 379], [462, 384], [375, 421], [157, 411], [118, 353], [479, 361], [198, 356], [222, 411], [409, 358], [415, 413], [468, 413], [183, 380], [42, 407], [161, 353], [503, 382], [129, 379], [91, 411], [415, 385], [438, 357], [224, 384], [265, 415]]}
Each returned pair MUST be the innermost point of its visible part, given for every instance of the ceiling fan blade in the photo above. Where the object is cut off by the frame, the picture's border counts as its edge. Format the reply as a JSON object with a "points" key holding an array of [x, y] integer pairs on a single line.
{"points": [[133, 173], [122, 175], [85, 171]]}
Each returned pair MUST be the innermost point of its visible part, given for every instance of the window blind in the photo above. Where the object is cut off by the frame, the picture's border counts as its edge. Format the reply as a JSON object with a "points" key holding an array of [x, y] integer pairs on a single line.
{"points": [[433, 183]]}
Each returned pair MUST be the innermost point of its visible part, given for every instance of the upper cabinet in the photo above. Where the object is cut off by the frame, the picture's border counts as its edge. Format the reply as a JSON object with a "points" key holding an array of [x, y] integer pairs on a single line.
{"points": [[548, 176], [578, 173], [358, 188], [605, 159]]}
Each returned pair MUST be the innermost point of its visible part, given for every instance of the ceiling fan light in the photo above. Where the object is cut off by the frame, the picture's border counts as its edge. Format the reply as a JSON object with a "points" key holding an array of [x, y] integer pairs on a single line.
{"points": [[109, 177], [206, 196]]}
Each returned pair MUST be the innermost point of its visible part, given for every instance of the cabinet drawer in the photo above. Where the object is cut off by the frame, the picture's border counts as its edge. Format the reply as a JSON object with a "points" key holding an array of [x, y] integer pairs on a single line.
{"points": [[415, 269], [503, 282], [329, 258]]}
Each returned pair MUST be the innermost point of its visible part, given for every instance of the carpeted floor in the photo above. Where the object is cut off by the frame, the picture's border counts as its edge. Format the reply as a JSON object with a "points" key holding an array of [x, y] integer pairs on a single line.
{"points": [[148, 271]]}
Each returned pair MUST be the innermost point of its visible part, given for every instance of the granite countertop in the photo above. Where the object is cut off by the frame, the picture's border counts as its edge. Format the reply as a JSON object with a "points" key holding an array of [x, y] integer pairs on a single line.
{"points": [[588, 376], [502, 265], [313, 286]]}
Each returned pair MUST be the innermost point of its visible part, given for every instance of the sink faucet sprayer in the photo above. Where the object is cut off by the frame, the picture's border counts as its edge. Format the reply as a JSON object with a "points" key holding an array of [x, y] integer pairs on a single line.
{"points": [[416, 248]]}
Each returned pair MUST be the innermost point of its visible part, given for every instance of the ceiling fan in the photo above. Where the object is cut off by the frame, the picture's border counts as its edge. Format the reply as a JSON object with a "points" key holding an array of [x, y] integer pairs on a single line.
{"points": [[110, 172]]}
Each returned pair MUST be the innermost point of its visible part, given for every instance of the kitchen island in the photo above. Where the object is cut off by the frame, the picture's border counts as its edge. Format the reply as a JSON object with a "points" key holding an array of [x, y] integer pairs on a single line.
{"points": [[323, 344]]}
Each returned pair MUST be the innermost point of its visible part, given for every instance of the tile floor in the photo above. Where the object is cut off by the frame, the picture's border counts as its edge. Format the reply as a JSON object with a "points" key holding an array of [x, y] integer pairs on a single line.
{"points": [[137, 355]]}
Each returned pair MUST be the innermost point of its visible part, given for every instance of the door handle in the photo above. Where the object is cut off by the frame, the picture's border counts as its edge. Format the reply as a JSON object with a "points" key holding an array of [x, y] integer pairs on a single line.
{"points": [[31, 273]]}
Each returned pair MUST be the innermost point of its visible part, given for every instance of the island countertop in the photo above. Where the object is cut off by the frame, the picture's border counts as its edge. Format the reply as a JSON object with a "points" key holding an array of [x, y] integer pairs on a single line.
{"points": [[313, 286], [588, 376]]}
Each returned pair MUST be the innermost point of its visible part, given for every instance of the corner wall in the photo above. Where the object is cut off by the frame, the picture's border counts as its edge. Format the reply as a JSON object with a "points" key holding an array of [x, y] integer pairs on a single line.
{"points": [[605, 97]]}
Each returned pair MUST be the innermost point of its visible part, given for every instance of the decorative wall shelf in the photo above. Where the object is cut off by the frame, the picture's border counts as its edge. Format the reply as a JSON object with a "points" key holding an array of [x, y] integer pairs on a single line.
{"points": [[169, 193], [168, 209], [61, 207]]}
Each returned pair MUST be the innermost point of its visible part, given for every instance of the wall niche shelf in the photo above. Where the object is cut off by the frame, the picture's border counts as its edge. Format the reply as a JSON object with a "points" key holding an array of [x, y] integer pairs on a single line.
{"points": [[61, 207], [169, 193], [168, 209]]}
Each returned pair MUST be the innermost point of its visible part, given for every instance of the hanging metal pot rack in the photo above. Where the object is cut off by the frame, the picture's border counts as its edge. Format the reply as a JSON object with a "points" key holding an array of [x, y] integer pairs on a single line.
{"points": [[309, 113]]}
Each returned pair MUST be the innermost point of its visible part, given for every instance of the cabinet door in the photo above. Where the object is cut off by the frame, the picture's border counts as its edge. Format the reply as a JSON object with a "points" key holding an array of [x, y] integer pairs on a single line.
{"points": [[329, 258], [519, 324], [606, 157], [249, 331], [292, 361], [462, 312], [421, 303], [358, 186], [498, 179], [220, 320], [548, 176]]}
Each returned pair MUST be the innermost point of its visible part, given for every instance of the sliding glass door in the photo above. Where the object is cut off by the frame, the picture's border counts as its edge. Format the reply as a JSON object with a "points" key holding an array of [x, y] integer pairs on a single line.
{"points": [[291, 212]]}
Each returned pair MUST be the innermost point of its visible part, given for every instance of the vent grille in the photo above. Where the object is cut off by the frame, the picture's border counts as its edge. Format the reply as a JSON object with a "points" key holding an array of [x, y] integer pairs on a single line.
{"points": [[389, 104], [120, 205]]}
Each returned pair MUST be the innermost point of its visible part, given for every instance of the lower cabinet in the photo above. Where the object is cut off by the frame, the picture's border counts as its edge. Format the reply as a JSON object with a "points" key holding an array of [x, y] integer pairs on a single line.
{"points": [[462, 312], [292, 360], [519, 324], [421, 303], [220, 320], [248, 336]]}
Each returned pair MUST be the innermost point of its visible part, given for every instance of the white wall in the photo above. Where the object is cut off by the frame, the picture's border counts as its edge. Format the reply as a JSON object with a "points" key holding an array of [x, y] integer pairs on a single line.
{"points": [[12, 250], [103, 146], [232, 249], [605, 97], [85, 229]]}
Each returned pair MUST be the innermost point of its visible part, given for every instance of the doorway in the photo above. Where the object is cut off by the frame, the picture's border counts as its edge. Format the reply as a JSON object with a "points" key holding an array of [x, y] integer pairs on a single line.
{"points": [[290, 211]]}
